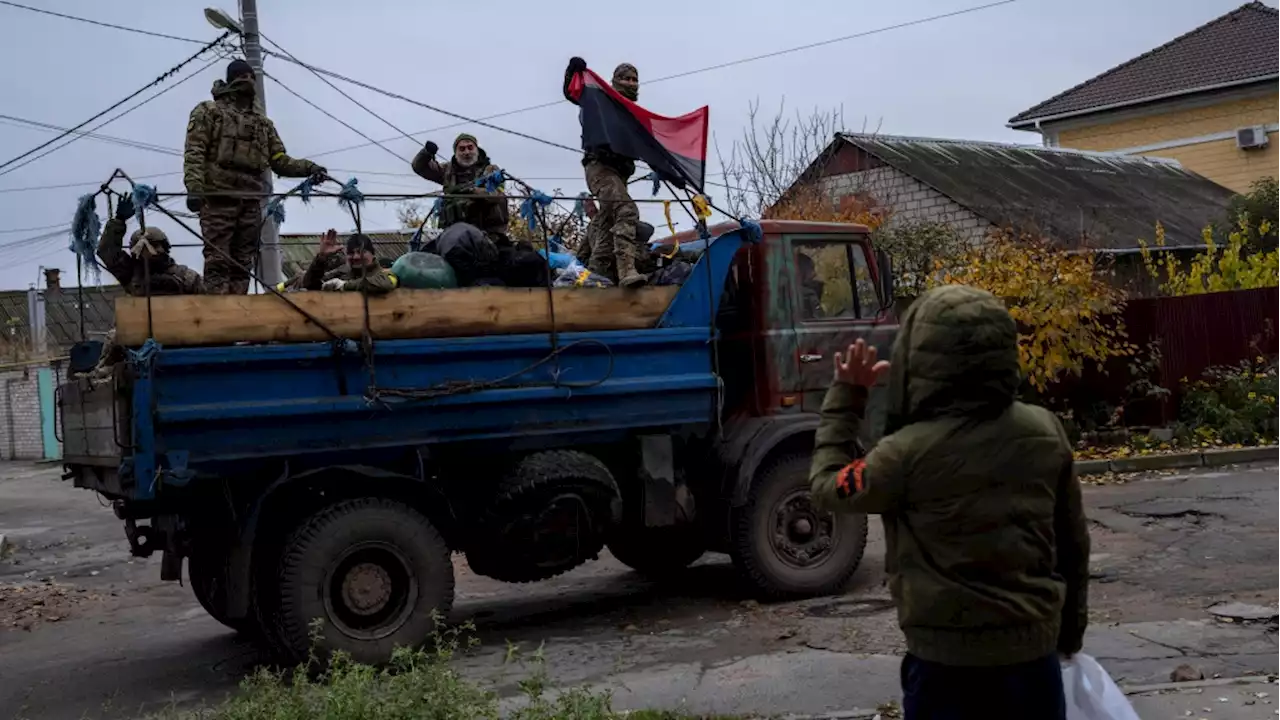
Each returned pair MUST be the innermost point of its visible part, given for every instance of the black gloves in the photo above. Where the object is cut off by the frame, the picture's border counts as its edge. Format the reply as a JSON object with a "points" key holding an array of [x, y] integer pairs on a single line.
{"points": [[318, 173], [577, 64], [431, 148], [125, 208], [194, 203]]}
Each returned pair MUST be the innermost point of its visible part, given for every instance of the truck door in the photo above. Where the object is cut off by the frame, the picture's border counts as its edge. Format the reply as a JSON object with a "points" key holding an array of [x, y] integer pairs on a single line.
{"points": [[835, 301]]}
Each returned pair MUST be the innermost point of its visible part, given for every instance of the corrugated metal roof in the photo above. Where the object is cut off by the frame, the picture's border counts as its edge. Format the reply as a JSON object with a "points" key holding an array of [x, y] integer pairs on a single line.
{"points": [[1235, 48], [1077, 198]]}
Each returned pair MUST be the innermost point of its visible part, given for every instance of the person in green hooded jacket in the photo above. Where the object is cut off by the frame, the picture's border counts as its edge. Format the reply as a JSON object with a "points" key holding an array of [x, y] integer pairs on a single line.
{"points": [[986, 543], [464, 200]]}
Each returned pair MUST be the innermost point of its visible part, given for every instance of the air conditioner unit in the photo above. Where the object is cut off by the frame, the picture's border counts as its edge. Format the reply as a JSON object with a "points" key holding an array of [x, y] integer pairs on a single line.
{"points": [[1251, 138]]}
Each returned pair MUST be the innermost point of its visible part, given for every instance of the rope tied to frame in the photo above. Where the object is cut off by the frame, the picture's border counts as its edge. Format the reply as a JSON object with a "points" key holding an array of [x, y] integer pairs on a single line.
{"points": [[350, 197], [143, 195], [530, 208], [492, 182]]}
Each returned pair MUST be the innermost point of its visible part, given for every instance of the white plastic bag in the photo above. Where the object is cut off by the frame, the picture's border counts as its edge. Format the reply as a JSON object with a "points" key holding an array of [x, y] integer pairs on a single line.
{"points": [[1091, 694]]}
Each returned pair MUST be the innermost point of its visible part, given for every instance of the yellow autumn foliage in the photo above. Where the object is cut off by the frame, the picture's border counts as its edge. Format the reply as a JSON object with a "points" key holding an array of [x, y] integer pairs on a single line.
{"points": [[1218, 268], [1067, 312]]}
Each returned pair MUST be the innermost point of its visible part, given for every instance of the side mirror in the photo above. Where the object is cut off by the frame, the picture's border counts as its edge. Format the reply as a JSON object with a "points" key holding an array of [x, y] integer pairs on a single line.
{"points": [[884, 265]]}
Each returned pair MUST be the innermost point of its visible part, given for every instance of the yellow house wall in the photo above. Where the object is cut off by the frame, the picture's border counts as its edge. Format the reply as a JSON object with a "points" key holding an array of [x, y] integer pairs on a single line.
{"points": [[1218, 160]]}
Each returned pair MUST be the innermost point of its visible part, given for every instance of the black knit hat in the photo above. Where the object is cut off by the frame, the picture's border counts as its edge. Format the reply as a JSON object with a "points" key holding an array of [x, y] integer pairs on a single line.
{"points": [[238, 68]]}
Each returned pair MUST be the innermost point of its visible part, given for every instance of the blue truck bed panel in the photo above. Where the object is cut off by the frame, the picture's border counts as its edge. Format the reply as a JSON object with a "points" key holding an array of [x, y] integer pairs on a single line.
{"points": [[194, 409]]}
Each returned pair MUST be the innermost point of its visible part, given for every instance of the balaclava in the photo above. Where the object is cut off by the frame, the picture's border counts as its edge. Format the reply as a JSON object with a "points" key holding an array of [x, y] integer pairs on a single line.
{"points": [[630, 92]]}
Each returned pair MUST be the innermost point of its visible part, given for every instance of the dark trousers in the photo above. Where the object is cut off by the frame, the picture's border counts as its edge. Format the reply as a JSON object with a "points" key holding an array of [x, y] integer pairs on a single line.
{"points": [[1027, 691]]}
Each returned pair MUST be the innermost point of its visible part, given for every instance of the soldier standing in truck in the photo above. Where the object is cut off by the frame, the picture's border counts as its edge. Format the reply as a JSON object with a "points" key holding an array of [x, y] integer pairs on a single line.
{"points": [[229, 145]]}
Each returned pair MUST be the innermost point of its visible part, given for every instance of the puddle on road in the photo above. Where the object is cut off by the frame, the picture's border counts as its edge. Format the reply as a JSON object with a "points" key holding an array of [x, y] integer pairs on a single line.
{"points": [[850, 608]]}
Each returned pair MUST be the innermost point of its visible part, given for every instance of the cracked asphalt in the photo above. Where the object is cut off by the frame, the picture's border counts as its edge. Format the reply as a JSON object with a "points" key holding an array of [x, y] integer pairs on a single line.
{"points": [[1166, 548]]}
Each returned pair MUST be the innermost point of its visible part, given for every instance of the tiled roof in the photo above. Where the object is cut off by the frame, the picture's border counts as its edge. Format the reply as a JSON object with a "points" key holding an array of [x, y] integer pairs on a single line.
{"points": [[1236, 48], [1076, 198], [298, 249]]}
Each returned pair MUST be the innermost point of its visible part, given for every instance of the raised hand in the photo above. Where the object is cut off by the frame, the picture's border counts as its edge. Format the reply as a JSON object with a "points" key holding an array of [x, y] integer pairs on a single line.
{"points": [[858, 366]]}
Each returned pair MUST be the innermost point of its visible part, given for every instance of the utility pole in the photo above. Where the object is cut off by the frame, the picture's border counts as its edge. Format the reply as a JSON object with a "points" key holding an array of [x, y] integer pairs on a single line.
{"points": [[269, 258], [269, 264]]}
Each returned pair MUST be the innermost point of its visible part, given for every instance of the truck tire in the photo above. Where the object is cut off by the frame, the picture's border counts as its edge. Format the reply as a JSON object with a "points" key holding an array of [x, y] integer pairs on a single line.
{"points": [[207, 571], [573, 488], [376, 574], [783, 546], [657, 552]]}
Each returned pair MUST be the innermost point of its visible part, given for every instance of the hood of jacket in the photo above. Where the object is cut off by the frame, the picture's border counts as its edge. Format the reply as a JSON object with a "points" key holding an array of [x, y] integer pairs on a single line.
{"points": [[956, 354], [223, 92]]}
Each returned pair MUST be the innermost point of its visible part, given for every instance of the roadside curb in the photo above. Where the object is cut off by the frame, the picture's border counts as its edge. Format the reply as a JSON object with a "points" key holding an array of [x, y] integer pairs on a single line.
{"points": [[1206, 458]]}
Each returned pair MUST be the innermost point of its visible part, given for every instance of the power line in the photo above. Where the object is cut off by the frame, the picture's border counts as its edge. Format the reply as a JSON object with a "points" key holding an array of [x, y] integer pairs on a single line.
{"points": [[100, 23], [136, 144], [164, 76], [341, 92], [433, 108], [106, 122], [331, 116], [709, 68], [86, 183], [63, 225]]}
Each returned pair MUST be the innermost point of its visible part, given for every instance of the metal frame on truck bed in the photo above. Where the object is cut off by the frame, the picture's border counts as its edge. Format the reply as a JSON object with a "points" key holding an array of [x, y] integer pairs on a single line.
{"points": [[332, 480]]}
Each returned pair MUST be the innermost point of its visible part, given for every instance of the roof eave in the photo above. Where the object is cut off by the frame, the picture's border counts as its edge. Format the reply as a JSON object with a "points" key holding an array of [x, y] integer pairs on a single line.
{"points": [[1033, 123]]}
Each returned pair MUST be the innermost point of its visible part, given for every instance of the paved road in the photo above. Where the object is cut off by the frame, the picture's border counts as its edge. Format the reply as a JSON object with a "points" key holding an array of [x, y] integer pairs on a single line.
{"points": [[1165, 549]]}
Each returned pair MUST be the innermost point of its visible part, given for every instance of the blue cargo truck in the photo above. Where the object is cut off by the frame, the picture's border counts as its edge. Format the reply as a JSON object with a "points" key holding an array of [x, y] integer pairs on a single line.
{"points": [[333, 480]]}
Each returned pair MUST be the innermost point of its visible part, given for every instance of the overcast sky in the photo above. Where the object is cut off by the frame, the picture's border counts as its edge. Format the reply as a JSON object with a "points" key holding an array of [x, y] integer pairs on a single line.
{"points": [[961, 77]]}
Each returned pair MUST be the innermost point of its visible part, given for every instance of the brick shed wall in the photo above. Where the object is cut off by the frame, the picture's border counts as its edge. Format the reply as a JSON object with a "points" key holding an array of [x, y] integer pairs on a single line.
{"points": [[910, 199], [21, 437]]}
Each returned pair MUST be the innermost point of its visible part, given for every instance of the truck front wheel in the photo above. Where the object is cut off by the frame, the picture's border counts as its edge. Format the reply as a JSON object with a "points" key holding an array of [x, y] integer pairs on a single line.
{"points": [[374, 572], [786, 547]]}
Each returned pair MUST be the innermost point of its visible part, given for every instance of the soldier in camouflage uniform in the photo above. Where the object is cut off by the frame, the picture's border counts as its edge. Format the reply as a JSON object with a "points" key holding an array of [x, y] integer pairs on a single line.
{"points": [[607, 175], [230, 144], [361, 272], [486, 210], [144, 269]]}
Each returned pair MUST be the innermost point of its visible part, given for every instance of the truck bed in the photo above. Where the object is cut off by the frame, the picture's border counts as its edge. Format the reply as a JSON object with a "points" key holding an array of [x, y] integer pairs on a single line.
{"points": [[171, 412]]}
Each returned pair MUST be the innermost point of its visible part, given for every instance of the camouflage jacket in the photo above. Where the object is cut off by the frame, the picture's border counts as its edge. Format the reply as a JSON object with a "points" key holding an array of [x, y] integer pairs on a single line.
{"points": [[166, 277], [488, 211], [986, 541], [374, 281], [229, 147]]}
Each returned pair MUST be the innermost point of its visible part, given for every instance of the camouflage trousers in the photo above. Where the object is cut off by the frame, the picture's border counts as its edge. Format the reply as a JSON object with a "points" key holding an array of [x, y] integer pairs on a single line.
{"points": [[613, 249], [233, 226]]}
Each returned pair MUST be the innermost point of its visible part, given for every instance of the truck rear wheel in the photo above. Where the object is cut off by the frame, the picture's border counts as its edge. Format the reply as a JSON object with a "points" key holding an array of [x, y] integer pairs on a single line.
{"points": [[786, 547], [657, 552], [375, 572]]}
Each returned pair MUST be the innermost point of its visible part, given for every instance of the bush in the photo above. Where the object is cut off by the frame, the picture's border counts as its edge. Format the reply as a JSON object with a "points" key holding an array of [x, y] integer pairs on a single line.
{"points": [[1234, 405]]}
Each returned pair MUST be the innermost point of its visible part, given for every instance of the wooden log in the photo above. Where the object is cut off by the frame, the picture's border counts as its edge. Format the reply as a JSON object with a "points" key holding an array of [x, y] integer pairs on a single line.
{"points": [[189, 320]]}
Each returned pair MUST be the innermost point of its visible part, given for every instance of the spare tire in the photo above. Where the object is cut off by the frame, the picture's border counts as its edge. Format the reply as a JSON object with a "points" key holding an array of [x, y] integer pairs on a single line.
{"points": [[550, 514]]}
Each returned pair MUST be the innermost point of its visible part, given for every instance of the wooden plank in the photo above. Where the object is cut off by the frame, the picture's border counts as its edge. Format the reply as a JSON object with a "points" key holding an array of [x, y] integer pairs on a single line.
{"points": [[188, 320]]}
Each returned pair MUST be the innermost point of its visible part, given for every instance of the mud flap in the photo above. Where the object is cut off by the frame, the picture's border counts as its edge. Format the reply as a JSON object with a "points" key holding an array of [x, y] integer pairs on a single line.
{"points": [[666, 500]]}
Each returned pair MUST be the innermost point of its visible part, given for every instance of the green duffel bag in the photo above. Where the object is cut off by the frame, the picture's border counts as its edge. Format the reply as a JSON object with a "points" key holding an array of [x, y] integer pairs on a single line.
{"points": [[424, 271]]}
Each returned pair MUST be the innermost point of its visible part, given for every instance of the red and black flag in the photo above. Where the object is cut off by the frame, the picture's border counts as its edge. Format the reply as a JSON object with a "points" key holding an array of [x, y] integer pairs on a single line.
{"points": [[675, 147]]}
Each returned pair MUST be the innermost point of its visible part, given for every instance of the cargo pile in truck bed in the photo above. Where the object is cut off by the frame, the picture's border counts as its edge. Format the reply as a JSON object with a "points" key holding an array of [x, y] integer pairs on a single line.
{"points": [[190, 320]]}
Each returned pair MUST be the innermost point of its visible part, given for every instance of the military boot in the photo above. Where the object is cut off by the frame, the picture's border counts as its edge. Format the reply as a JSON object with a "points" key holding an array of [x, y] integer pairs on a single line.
{"points": [[628, 277]]}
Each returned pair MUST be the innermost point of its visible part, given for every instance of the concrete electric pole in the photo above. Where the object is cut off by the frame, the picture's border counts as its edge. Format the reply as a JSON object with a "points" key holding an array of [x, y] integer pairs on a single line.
{"points": [[269, 261]]}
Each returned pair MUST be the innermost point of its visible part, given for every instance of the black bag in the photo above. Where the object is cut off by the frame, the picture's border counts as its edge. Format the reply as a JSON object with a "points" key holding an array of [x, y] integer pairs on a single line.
{"points": [[470, 253]]}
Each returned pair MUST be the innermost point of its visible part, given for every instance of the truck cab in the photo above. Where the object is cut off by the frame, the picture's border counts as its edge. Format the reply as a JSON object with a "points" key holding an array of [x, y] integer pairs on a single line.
{"points": [[332, 481]]}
